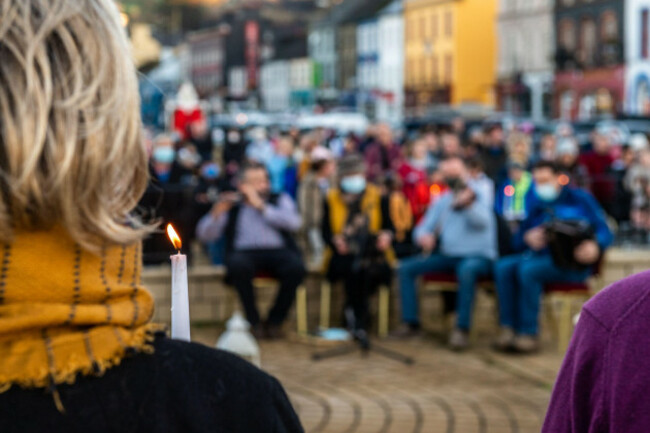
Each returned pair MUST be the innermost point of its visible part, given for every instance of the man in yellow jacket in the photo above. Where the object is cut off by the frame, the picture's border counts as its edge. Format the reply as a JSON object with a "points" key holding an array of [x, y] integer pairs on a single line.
{"points": [[359, 236]]}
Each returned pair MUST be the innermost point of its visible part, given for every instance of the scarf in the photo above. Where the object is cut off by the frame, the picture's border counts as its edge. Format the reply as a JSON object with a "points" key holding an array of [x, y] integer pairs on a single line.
{"points": [[521, 191], [65, 311], [400, 215], [370, 204]]}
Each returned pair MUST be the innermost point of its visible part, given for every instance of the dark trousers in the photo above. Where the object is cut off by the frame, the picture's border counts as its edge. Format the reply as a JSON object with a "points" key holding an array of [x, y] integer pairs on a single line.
{"points": [[283, 264], [360, 284]]}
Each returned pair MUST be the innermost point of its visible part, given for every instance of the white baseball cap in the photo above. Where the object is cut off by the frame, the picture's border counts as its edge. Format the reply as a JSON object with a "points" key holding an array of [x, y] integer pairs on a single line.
{"points": [[639, 142], [321, 153]]}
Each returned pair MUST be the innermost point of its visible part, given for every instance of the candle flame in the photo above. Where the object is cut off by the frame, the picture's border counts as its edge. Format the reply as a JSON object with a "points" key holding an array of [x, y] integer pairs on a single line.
{"points": [[173, 236]]}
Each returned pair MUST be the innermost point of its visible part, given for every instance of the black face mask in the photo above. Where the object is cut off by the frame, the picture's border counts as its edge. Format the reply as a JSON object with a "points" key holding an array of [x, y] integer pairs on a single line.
{"points": [[455, 183]]}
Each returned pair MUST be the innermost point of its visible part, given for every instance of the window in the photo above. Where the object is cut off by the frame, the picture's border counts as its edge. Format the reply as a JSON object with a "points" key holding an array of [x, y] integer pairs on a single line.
{"points": [[588, 42], [434, 25], [423, 71], [407, 29], [567, 34], [448, 68], [436, 71], [644, 34], [449, 24], [609, 26]]}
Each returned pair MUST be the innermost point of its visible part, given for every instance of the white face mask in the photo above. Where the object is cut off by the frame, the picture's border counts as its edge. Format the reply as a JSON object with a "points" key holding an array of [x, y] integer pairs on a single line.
{"points": [[547, 192], [164, 155], [353, 184]]}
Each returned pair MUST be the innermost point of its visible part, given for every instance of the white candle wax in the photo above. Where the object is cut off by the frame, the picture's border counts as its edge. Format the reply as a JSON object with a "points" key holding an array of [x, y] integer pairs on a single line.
{"points": [[180, 299]]}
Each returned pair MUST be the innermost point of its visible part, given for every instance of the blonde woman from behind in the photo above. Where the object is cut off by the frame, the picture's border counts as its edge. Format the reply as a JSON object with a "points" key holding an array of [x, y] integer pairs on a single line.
{"points": [[77, 349]]}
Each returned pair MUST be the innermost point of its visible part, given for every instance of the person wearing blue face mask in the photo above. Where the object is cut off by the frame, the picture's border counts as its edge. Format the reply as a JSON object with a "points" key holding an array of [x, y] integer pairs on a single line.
{"points": [[164, 167], [206, 193], [359, 234], [165, 198], [521, 278]]}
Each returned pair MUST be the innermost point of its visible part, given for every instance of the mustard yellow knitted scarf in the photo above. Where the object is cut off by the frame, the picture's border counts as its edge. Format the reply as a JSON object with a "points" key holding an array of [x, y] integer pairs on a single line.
{"points": [[65, 311]]}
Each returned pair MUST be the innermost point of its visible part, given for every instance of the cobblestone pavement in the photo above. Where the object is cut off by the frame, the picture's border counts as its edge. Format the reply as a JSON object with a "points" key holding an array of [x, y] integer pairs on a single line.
{"points": [[443, 392]]}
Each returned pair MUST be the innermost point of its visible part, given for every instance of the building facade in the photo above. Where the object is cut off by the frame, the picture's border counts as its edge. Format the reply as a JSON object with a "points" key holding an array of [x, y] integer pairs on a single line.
{"points": [[144, 47], [390, 98], [303, 80], [525, 65], [346, 51], [367, 76], [275, 86], [238, 82], [590, 71], [206, 61], [637, 55], [322, 50], [450, 52]]}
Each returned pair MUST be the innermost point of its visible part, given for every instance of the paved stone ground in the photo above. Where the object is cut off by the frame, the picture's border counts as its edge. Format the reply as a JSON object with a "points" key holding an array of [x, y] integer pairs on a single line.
{"points": [[446, 392]]}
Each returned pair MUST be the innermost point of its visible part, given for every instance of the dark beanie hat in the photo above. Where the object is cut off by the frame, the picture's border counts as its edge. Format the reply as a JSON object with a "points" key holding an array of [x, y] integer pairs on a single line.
{"points": [[351, 164]]}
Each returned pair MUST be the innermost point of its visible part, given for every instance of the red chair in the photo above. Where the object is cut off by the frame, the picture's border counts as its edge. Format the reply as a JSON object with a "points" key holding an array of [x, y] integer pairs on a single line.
{"points": [[432, 283], [444, 282], [563, 295]]}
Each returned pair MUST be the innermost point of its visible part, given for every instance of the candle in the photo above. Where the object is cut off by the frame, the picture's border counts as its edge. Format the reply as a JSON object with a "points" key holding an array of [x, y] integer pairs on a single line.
{"points": [[180, 297]]}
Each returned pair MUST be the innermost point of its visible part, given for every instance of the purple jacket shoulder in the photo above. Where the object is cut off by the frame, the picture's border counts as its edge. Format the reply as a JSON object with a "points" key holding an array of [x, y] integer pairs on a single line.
{"points": [[614, 303], [603, 383]]}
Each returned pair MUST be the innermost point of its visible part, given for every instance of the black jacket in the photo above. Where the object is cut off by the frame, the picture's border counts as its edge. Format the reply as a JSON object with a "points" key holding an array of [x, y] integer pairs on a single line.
{"points": [[183, 388]]}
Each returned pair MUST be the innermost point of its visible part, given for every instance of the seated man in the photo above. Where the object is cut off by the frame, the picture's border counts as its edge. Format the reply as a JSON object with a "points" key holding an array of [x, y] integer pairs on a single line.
{"points": [[359, 236], [521, 278], [461, 223], [257, 234]]}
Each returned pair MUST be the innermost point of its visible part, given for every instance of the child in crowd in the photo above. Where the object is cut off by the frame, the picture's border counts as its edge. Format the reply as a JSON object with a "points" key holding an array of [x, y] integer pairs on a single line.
{"points": [[511, 195], [413, 174]]}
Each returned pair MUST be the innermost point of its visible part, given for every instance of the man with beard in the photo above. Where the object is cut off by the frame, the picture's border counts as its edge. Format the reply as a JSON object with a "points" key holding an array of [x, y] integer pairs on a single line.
{"points": [[258, 227], [457, 235]]}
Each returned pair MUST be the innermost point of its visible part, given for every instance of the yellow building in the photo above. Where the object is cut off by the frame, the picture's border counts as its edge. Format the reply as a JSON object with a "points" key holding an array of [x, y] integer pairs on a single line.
{"points": [[144, 47], [450, 52]]}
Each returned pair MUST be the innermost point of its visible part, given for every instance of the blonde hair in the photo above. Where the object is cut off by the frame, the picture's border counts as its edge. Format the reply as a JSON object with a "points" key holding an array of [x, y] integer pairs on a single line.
{"points": [[70, 129], [515, 139]]}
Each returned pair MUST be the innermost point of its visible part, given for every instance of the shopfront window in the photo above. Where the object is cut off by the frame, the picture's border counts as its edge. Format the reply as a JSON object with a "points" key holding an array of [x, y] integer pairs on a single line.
{"points": [[588, 42], [567, 34]]}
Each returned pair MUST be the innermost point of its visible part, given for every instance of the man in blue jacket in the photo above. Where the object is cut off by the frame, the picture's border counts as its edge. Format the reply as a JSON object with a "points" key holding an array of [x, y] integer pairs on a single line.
{"points": [[521, 278]]}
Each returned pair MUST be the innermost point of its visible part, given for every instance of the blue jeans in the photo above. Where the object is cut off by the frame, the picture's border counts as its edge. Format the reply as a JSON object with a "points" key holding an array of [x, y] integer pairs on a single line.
{"points": [[467, 269], [217, 251], [520, 282]]}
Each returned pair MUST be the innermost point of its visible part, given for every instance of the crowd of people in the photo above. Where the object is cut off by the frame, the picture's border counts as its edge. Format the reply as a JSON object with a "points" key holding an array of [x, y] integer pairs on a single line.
{"points": [[476, 203]]}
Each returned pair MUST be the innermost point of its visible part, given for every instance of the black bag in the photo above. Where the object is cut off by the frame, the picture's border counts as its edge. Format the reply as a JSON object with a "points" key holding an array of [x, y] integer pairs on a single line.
{"points": [[563, 238]]}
